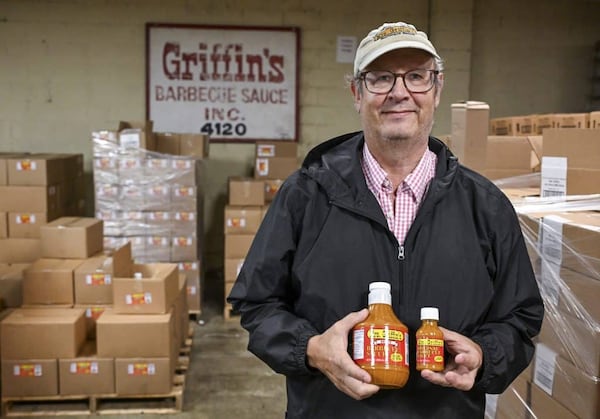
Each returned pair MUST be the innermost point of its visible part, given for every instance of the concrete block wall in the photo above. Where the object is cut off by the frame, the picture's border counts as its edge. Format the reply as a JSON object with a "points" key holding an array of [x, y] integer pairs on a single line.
{"points": [[68, 67]]}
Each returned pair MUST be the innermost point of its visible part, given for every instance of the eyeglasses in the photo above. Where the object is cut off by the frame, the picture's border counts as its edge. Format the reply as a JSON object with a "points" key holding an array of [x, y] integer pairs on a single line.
{"points": [[382, 82]]}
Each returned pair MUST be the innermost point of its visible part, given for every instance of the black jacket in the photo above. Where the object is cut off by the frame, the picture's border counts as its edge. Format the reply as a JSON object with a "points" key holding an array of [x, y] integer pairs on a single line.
{"points": [[325, 238]]}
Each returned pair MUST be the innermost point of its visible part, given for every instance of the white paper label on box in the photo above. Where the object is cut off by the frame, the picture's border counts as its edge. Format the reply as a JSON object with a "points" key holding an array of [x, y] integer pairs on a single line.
{"points": [[182, 164], [27, 370], [132, 140], [191, 290], [551, 238], [236, 222], [25, 219], [554, 176], [265, 150], [262, 167], [545, 366], [182, 241], [185, 216], [26, 165], [138, 299]]}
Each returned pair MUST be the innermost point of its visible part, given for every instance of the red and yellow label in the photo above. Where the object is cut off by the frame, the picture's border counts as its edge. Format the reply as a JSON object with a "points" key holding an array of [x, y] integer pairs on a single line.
{"points": [[27, 370], [83, 368], [430, 352], [141, 368], [380, 346]]}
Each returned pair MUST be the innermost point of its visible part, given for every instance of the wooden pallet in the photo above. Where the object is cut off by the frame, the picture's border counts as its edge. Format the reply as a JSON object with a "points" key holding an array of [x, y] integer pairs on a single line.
{"points": [[108, 404]]}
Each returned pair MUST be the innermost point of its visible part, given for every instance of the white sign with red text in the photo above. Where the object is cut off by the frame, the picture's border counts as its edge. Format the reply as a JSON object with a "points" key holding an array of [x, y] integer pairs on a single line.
{"points": [[231, 83]]}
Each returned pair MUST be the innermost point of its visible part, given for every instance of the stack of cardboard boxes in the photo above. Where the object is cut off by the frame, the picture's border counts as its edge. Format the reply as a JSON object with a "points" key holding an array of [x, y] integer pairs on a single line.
{"points": [[35, 189], [562, 233], [153, 199], [248, 200], [61, 343]]}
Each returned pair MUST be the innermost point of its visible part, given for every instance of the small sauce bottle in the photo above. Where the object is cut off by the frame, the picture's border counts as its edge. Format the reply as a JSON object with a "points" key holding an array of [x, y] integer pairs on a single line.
{"points": [[380, 343], [430, 341]]}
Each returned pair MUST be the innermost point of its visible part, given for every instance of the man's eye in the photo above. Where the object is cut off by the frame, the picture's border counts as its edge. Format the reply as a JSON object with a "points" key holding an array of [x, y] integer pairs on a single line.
{"points": [[384, 78], [415, 76]]}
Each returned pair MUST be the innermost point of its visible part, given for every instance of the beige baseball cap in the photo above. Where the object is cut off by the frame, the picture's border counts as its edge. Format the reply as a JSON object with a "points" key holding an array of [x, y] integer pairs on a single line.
{"points": [[388, 37]]}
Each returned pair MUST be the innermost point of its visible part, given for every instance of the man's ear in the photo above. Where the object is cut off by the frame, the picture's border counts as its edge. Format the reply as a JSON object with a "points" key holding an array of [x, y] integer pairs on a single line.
{"points": [[356, 94], [438, 88]]}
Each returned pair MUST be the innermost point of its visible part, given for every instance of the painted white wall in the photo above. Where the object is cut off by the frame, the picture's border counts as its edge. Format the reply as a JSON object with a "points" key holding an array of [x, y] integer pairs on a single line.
{"points": [[68, 67]]}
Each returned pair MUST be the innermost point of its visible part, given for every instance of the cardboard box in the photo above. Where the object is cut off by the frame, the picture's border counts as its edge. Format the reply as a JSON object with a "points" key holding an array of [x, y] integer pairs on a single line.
{"points": [[572, 120], [573, 339], [569, 165], [131, 171], [232, 268], [514, 125], [545, 122], [508, 156], [136, 135], [194, 145], [184, 198], [42, 333], [93, 277], [575, 390], [237, 245], [49, 281], [3, 225], [92, 314], [20, 250], [513, 403], [189, 172], [271, 188], [135, 335], [29, 377], [143, 376], [594, 120], [40, 199], [26, 225], [157, 248], [275, 167], [246, 191], [470, 126], [193, 295], [185, 222], [11, 285], [579, 296], [86, 374], [154, 292], [72, 238], [36, 169], [242, 220], [184, 248], [277, 148], [544, 406], [572, 240]]}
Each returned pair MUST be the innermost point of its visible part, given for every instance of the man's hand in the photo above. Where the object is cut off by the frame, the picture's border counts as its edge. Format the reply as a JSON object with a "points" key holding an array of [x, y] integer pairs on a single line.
{"points": [[461, 370], [328, 352]]}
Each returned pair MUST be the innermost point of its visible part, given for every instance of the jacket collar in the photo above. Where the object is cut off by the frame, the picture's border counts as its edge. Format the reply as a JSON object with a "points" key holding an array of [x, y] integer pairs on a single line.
{"points": [[335, 165]]}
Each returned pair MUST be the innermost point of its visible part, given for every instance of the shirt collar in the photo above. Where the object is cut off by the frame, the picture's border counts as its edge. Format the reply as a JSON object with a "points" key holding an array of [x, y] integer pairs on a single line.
{"points": [[417, 181]]}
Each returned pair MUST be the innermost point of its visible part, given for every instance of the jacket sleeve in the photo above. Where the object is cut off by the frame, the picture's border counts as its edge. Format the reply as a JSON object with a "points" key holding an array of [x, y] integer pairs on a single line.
{"points": [[516, 314], [263, 292]]}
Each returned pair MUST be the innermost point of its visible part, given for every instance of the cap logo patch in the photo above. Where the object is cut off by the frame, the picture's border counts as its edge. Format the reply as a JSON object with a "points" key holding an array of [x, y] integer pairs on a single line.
{"points": [[394, 30]]}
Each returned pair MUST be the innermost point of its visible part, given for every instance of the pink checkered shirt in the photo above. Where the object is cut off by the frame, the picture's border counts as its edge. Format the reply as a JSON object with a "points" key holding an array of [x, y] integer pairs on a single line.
{"points": [[400, 206]]}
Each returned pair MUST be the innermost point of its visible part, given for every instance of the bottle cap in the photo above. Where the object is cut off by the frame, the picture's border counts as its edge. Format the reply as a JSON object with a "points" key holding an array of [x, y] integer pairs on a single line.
{"points": [[430, 313], [379, 293]]}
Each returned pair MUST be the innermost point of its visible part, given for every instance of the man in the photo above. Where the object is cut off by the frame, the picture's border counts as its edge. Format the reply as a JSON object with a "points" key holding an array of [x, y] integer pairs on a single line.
{"points": [[390, 204]]}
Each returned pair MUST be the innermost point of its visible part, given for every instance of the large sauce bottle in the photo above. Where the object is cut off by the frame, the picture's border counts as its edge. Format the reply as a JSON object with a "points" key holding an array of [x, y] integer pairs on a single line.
{"points": [[380, 343]]}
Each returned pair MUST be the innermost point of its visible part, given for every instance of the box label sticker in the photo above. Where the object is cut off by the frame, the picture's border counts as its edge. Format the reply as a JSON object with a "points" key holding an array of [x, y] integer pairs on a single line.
{"points": [[545, 366], [554, 176]]}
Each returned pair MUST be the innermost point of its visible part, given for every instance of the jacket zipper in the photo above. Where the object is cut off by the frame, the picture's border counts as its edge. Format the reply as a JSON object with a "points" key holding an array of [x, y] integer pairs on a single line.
{"points": [[401, 252]]}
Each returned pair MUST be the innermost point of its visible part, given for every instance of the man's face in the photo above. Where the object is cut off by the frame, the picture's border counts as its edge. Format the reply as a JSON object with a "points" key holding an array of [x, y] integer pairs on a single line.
{"points": [[400, 114]]}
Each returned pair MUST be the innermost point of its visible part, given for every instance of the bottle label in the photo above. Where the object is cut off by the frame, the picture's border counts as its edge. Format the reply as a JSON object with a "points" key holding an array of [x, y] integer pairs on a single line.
{"points": [[430, 351], [380, 346]]}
